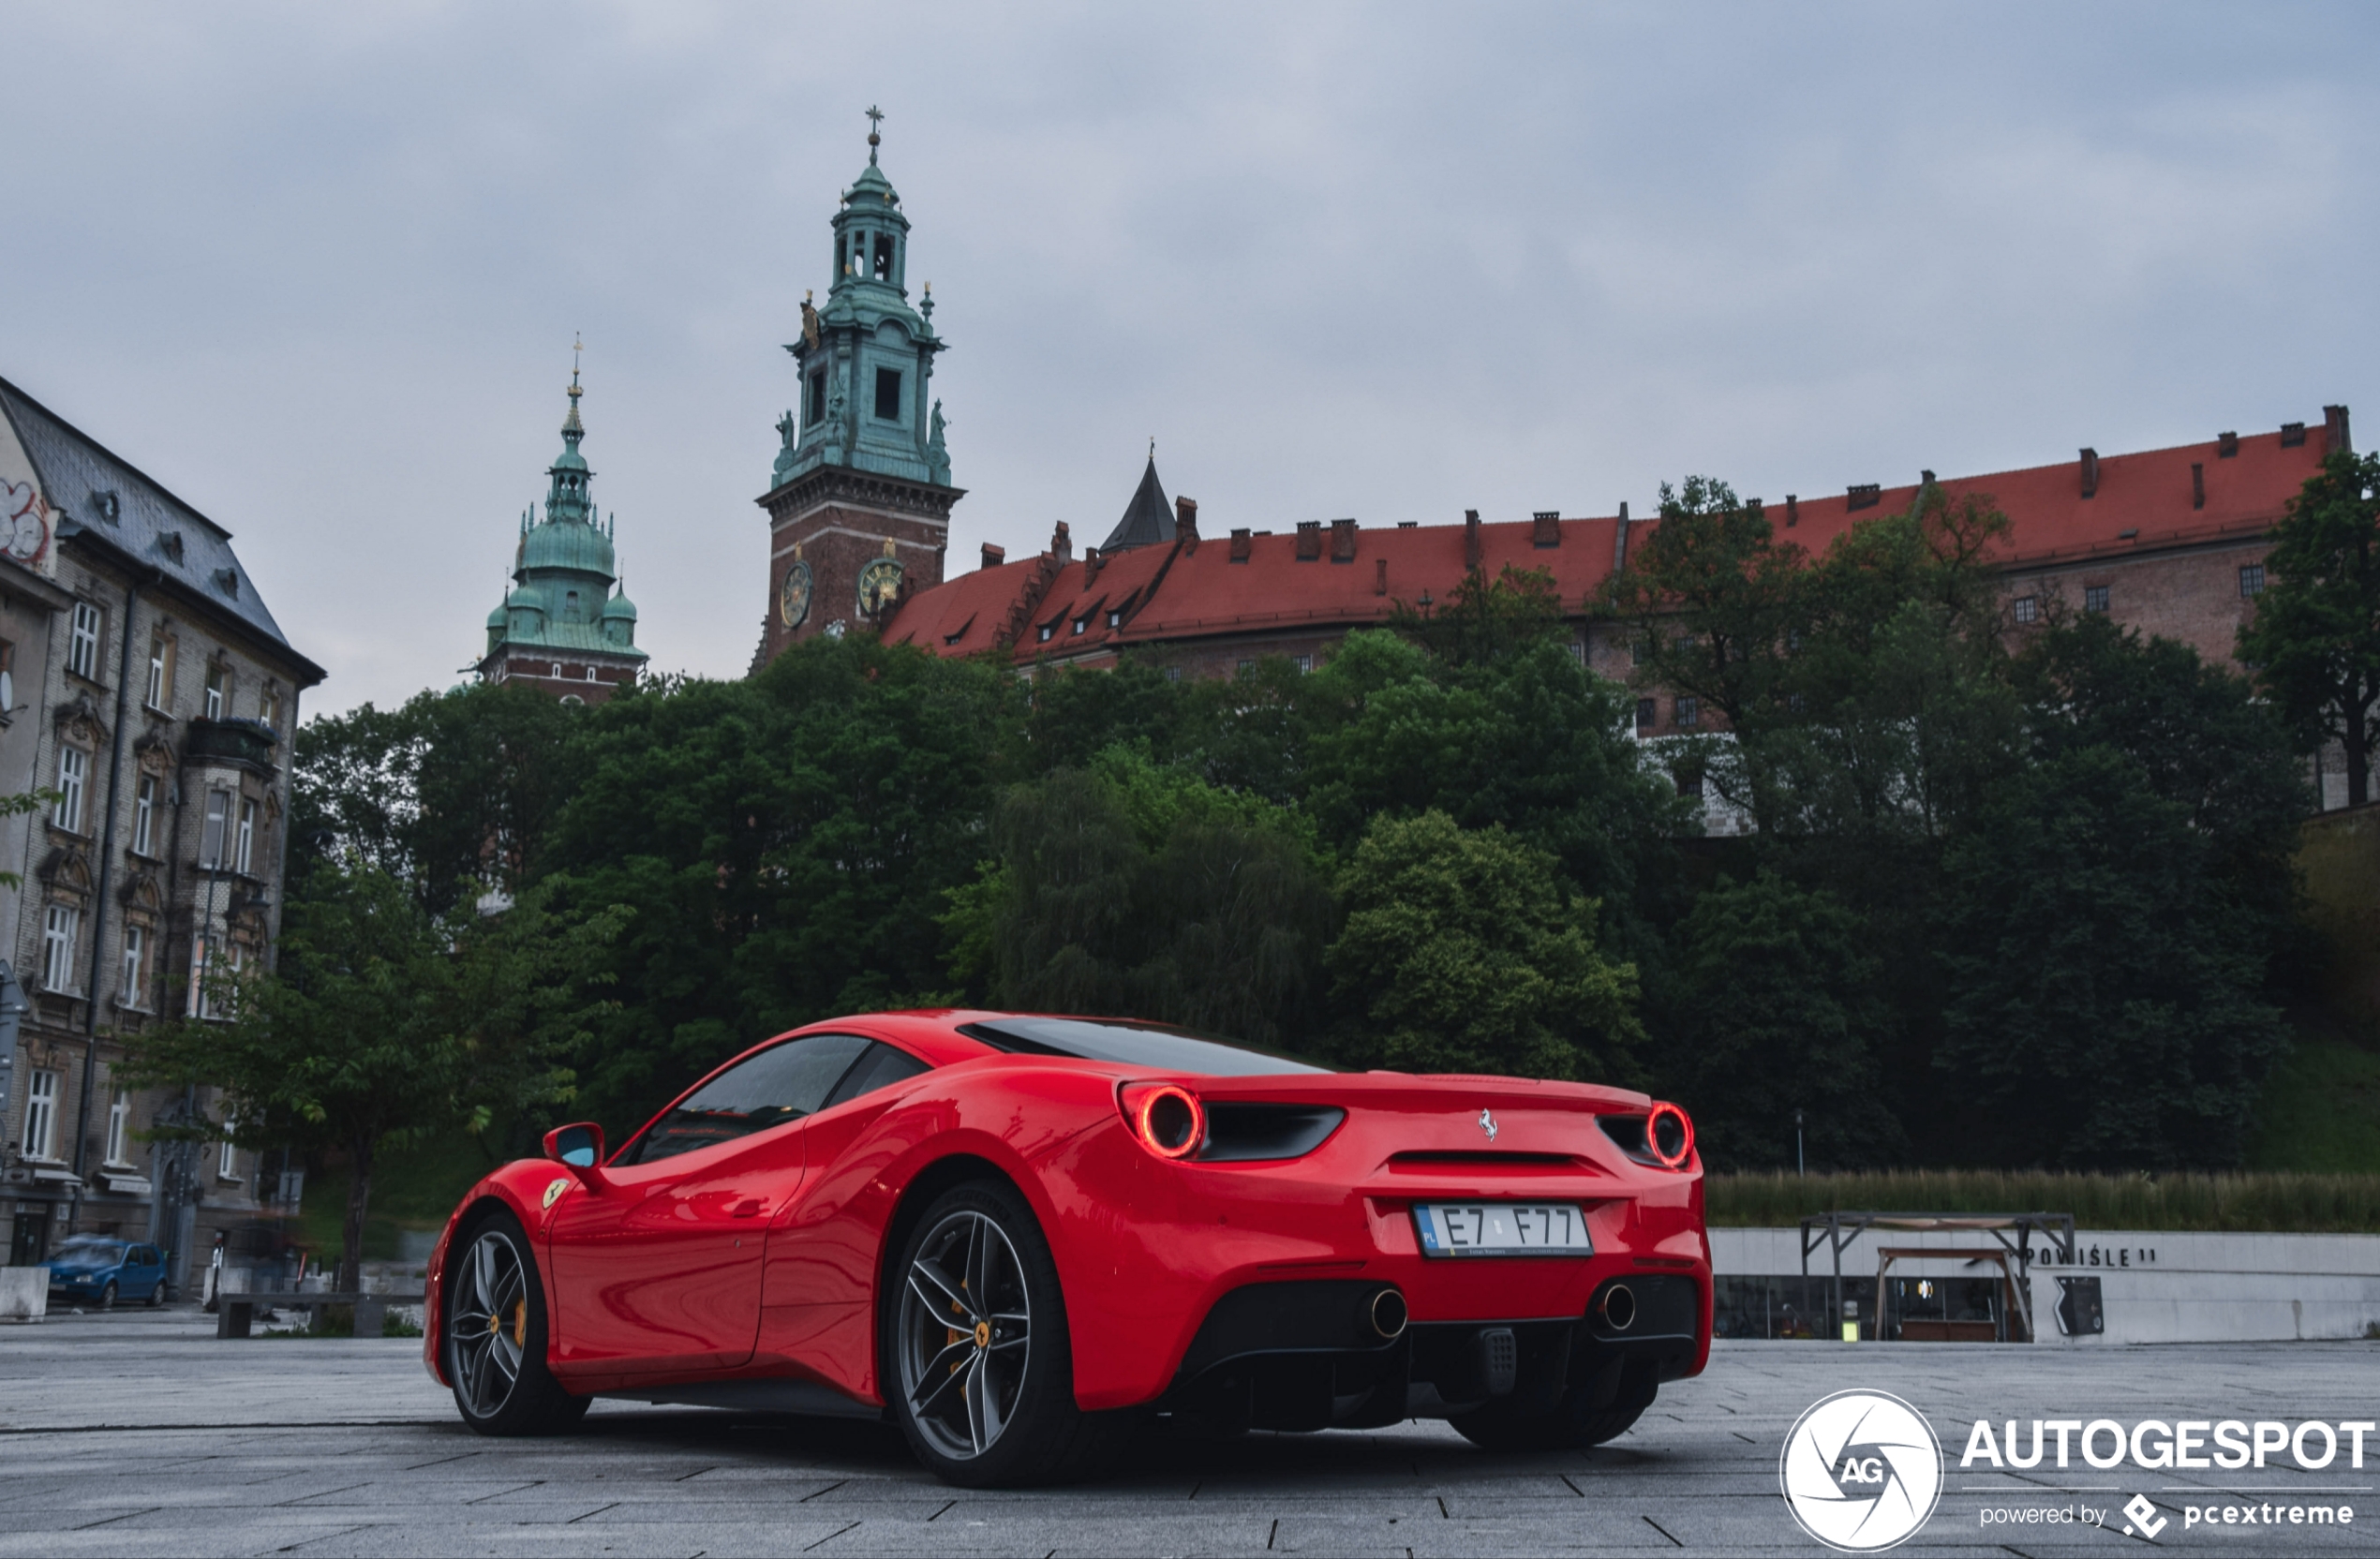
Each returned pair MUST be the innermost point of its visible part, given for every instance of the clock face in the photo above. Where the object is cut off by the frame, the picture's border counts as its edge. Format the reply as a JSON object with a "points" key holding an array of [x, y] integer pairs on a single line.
{"points": [[879, 586], [792, 599]]}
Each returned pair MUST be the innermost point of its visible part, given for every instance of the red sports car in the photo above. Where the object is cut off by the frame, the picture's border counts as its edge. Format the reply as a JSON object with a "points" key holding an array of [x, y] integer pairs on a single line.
{"points": [[1012, 1235]]}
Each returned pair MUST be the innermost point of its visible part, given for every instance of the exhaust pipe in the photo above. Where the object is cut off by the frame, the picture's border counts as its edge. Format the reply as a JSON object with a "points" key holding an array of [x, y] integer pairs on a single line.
{"points": [[1388, 1314], [1618, 1307]]}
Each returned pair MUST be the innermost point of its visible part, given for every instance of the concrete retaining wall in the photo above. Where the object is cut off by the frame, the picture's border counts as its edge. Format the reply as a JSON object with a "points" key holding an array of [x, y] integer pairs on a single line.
{"points": [[2154, 1287], [25, 1293]]}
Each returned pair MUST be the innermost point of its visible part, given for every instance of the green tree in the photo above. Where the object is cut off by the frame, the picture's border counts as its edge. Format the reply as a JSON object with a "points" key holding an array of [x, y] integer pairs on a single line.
{"points": [[1775, 1005], [2315, 635], [1136, 888], [1485, 619], [1463, 952], [787, 844], [384, 1024]]}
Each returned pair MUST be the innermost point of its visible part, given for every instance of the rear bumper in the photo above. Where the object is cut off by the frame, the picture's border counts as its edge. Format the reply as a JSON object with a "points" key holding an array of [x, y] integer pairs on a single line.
{"points": [[1306, 1355]]}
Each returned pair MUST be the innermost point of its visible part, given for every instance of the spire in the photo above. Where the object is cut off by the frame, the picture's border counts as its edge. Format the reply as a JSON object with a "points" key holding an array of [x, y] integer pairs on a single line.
{"points": [[874, 119], [1148, 518], [573, 430]]}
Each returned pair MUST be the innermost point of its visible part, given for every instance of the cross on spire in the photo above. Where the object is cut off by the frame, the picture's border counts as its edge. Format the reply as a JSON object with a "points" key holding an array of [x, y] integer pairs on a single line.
{"points": [[875, 120]]}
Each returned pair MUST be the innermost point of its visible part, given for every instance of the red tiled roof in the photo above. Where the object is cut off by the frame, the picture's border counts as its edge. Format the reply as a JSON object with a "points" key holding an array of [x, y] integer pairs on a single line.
{"points": [[1193, 590]]}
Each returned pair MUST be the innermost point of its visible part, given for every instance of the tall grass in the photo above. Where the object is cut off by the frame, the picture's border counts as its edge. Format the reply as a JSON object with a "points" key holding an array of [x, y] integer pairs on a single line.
{"points": [[2263, 1202]]}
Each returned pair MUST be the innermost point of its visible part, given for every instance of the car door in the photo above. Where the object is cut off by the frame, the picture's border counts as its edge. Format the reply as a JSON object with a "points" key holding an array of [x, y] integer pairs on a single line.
{"points": [[821, 1267], [661, 1271]]}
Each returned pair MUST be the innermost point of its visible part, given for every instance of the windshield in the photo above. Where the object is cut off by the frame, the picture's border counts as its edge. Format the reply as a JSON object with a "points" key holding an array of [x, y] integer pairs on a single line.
{"points": [[1148, 1045], [84, 1252]]}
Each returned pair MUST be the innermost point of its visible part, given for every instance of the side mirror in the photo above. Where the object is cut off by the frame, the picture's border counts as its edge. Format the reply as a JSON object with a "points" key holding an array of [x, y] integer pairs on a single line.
{"points": [[581, 1148]]}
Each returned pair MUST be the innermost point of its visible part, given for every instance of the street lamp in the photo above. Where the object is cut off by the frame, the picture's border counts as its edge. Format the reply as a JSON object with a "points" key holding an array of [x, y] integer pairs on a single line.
{"points": [[1800, 1167]]}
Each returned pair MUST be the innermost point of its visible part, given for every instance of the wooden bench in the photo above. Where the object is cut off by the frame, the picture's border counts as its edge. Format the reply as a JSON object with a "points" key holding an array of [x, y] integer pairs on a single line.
{"points": [[235, 1313]]}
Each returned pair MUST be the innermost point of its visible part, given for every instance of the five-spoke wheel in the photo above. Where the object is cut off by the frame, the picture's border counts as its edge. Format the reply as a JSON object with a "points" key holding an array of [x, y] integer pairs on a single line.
{"points": [[494, 1334], [975, 1356], [966, 1334]]}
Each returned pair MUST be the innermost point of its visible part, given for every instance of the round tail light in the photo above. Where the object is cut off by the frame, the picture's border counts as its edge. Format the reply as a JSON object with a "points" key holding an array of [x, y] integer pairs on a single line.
{"points": [[1670, 1134], [1169, 1121]]}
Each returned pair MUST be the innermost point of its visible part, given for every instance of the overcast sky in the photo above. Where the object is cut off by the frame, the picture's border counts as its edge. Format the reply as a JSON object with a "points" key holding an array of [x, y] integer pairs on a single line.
{"points": [[317, 269]]}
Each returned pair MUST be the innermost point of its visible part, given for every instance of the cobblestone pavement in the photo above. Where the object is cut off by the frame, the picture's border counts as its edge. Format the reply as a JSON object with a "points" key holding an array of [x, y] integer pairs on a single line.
{"points": [[138, 1433]]}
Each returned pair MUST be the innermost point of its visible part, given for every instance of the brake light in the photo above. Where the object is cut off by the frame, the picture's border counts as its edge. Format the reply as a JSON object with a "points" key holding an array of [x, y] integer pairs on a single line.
{"points": [[1168, 1119], [1670, 1134]]}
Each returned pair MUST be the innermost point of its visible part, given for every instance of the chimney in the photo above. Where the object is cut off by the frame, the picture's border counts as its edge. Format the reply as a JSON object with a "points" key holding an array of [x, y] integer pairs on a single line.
{"points": [[1549, 528], [1092, 563], [2292, 435], [1380, 576], [1619, 540], [1185, 520], [1241, 546], [1470, 538], [994, 557], [1309, 541], [2334, 431], [2089, 473], [1862, 495], [1792, 511], [2197, 485], [1341, 541], [2226, 445], [1062, 544]]}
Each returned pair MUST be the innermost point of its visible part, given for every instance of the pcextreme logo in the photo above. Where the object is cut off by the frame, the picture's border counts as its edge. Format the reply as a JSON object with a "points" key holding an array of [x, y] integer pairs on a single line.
{"points": [[1861, 1471]]}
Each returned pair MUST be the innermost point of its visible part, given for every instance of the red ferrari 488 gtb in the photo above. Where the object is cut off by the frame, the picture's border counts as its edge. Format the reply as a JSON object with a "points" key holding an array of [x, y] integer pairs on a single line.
{"points": [[1014, 1234]]}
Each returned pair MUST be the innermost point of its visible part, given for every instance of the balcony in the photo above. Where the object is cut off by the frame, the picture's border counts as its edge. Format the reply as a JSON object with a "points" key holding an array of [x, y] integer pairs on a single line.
{"points": [[250, 743]]}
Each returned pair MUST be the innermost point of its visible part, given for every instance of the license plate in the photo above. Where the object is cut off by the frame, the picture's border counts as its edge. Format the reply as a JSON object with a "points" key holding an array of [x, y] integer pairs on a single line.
{"points": [[1502, 1228]]}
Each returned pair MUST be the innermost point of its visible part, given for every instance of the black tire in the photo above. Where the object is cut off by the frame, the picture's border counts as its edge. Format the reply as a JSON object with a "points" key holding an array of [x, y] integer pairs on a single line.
{"points": [[493, 1342], [973, 1348], [157, 1293], [106, 1295], [1601, 1408]]}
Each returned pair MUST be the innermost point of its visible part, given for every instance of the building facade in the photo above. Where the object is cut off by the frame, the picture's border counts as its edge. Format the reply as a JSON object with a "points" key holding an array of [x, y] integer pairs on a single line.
{"points": [[2169, 541], [146, 684], [567, 627], [859, 498]]}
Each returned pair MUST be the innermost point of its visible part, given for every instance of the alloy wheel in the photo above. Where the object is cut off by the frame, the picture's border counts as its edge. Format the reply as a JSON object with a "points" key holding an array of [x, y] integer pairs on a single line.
{"points": [[488, 1331], [966, 1339]]}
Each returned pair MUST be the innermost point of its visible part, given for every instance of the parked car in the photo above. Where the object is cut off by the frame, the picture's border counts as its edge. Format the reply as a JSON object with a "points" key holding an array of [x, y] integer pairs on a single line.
{"points": [[1015, 1236], [100, 1269]]}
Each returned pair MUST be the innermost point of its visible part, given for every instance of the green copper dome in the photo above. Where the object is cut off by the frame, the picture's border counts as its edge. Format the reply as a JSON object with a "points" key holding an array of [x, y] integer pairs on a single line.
{"points": [[571, 544], [619, 609]]}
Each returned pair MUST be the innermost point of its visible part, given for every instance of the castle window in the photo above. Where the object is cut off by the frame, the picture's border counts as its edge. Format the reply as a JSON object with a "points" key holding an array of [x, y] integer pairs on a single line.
{"points": [[2251, 579], [1081, 623], [1648, 714], [1689, 712], [555, 669], [1304, 663], [74, 779], [590, 675], [1173, 673], [2094, 598], [569, 606], [1048, 630], [1115, 618], [815, 411], [59, 925], [2028, 608], [145, 816], [888, 394], [82, 644]]}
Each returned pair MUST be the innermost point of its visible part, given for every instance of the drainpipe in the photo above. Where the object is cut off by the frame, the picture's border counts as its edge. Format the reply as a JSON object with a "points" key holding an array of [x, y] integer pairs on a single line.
{"points": [[13, 1007], [91, 996]]}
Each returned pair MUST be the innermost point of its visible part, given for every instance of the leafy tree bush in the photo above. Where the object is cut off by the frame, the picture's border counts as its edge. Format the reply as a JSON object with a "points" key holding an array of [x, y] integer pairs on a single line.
{"points": [[2316, 632], [1463, 952]]}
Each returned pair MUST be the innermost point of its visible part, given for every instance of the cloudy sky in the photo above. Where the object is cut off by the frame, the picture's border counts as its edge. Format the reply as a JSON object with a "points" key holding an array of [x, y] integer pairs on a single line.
{"points": [[318, 268]]}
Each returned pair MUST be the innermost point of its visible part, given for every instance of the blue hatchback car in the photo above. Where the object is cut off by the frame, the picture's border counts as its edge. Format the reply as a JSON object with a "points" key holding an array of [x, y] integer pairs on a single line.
{"points": [[99, 1269]]}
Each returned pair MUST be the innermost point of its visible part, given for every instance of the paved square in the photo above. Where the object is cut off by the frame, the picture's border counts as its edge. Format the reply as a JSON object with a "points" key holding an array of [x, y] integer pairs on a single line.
{"points": [[138, 1433]]}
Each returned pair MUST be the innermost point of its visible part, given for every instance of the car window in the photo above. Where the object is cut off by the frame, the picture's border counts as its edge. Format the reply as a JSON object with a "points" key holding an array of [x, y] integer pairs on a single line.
{"points": [[882, 1066], [783, 1083], [1150, 1044]]}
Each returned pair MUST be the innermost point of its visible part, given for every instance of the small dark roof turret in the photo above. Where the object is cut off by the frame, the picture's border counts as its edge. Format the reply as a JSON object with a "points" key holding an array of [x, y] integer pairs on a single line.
{"points": [[1148, 519]]}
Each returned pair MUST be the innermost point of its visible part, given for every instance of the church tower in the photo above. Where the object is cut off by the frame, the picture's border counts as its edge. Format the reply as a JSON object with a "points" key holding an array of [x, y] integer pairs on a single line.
{"points": [[859, 500], [564, 628]]}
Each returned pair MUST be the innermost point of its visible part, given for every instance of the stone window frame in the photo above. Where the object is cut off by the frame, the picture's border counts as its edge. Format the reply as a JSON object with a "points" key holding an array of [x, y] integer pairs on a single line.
{"points": [[42, 1105], [61, 945], [2252, 581]]}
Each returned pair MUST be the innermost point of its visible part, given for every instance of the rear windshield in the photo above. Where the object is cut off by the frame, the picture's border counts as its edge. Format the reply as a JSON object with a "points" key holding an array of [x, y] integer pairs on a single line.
{"points": [[1147, 1045]]}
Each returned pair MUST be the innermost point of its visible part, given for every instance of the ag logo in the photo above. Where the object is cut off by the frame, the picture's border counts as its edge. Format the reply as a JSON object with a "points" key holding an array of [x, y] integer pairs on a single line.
{"points": [[1861, 1471]]}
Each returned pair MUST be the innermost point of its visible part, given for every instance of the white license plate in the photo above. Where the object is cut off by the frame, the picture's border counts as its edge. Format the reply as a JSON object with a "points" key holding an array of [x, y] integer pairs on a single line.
{"points": [[1502, 1228]]}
